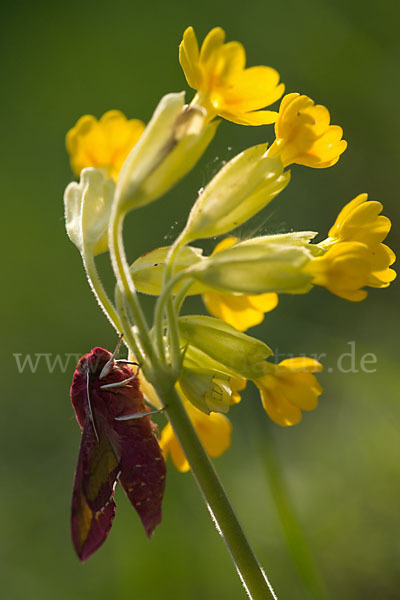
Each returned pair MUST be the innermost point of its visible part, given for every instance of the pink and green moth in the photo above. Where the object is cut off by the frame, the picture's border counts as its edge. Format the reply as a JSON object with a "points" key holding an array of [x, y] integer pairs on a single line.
{"points": [[118, 445]]}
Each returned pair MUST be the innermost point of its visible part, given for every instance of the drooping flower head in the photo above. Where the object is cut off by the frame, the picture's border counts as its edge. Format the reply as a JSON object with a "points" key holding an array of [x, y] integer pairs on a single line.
{"points": [[103, 143], [240, 311], [289, 388], [224, 86], [304, 135]]}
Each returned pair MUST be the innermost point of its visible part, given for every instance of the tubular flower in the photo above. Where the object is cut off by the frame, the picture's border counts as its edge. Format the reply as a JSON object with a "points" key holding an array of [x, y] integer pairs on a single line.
{"points": [[224, 86], [239, 311], [290, 388], [214, 431], [360, 221], [304, 135], [103, 143], [347, 267]]}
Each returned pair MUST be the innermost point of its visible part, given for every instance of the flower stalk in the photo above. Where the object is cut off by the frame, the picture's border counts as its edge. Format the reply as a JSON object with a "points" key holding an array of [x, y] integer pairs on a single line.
{"points": [[250, 572]]}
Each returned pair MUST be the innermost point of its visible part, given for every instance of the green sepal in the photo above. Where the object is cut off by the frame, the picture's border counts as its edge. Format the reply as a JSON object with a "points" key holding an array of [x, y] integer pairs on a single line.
{"points": [[207, 390], [87, 210], [169, 147], [241, 354], [147, 270], [257, 266], [244, 186]]}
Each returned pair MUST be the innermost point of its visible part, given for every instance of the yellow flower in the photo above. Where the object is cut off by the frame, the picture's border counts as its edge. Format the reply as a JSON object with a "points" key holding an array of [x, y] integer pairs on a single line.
{"points": [[239, 311], [304, 135], [290, 388], [214, 431], [103, 144], [347, 267], [355, 254], [225, 87], [360, 221]]}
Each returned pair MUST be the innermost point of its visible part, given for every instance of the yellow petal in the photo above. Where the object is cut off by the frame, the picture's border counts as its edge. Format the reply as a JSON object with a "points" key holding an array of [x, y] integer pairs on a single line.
{"points": [[212, 43], [227, 242], [169, 445], [189, 58], [348, 209], [241, 312], [231, 62], [258, 117], [255, 88], [361, 221], [235, 310], [264, 302], [300, 364], [302, 390], [279, 409], [102, 144]]}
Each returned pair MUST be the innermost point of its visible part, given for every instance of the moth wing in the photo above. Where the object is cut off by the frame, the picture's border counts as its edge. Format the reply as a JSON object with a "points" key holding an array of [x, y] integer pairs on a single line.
{"points": [[93, 506], [142, 470]]}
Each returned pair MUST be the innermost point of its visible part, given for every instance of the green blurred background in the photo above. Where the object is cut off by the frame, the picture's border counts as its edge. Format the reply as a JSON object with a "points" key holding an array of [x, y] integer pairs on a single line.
{"points": [[341, 464]]}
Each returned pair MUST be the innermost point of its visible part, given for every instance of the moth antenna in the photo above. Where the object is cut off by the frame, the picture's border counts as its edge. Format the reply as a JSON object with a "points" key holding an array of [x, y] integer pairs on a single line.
{"points": [[89, 399], [139, 415], [109, 386], [109, 365]]}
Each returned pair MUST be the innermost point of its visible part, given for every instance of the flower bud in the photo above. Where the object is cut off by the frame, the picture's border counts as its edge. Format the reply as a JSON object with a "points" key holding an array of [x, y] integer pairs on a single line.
{"points": [[87, 210], [244, 186], [170, 146]]}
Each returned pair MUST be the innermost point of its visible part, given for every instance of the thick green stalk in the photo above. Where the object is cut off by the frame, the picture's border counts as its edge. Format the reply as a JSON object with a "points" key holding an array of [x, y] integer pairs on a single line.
{"points": [[250, 572]]}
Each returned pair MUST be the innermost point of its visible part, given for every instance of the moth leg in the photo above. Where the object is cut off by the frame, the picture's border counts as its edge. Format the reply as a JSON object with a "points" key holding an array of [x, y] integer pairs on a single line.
{"points": [[128, 362], [109, 386], [109, 365], [139, 415]]}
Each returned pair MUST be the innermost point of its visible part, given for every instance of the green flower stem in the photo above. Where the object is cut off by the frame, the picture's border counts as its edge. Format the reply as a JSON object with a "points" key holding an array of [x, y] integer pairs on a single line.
{"points": [[222, 513], [296, 542], [116, 317], [163, 299], [172, 315], [124, 280], [181, 295], [99, 291]]}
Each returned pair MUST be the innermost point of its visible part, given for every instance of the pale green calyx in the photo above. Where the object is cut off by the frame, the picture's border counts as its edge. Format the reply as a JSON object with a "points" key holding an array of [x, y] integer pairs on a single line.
{"points": [[207, 390], [241, 354], [257, 266], [244, 186], [170, 146], [147, 270], [87, 210]]}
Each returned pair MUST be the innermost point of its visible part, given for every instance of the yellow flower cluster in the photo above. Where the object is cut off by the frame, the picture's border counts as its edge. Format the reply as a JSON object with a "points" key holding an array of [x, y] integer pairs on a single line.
{"points": [[352, 257]]}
